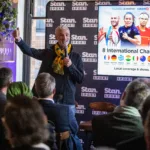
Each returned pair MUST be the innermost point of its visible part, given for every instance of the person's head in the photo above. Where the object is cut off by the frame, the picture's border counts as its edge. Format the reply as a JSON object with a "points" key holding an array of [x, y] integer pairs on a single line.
{"points": [[143, 19], [147, 130], [114, 20], [25, 122], [135, 94], [129, 19], [45, 85], [5, 77], [62, 34], [18, 88]]}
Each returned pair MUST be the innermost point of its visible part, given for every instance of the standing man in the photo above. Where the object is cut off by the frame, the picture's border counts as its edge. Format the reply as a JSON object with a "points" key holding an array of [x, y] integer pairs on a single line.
{"points": [[144, 31], [60, 61], [114, 19]]}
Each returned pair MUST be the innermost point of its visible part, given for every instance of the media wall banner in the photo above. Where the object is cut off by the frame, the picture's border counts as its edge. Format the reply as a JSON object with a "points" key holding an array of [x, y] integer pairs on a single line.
{"points": [[124, 40]]}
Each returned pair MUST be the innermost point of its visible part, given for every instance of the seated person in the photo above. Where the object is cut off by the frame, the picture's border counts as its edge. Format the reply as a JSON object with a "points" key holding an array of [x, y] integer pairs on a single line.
{"points": [[25, 124], [18, 88], [61, 115], [125, 122], [139, 141]]}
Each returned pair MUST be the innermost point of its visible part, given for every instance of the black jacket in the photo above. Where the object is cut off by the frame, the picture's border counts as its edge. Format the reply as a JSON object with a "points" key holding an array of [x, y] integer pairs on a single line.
{"points": [[65, 84]]}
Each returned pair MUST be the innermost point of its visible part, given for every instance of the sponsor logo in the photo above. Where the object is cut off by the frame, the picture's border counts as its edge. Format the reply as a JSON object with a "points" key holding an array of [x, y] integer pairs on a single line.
{"points": [[78, 40], [112, 93], [88, 92], [95, 39], [120, 57], [148, 58], [96, 77], [76, 6], [80, 109], [52, 39], [90, 22], [49, 22], [113, 57], [142, 58], [101, 3], [89, 57], [128, 58], [69, 22], [57, 6], [124, 78], [96, 113], [125, 2]]}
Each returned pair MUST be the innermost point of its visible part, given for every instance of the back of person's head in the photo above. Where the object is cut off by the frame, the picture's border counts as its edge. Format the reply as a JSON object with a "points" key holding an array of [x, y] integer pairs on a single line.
{"points": [[5, 77], [147, 130], [135, 94], [145, 80], [145, 109], [45, 85], [18, 88], [25, 121]]}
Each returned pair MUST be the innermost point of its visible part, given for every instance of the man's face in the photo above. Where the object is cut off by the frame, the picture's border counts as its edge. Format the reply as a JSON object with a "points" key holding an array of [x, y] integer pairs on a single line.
{"points": [[143, 19], [63, 37], [128, 20], [114, 21]]}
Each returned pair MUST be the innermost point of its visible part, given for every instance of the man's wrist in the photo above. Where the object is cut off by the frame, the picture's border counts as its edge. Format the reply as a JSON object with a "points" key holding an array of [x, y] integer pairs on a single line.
{"points": [[18, 39]]}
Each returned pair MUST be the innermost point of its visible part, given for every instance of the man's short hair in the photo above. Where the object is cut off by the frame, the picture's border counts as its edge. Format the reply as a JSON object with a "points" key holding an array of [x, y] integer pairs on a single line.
{"points": [[44, 85], [26, 120], [144, 13], [145, 109], [5, 77], [136, 93], [61, 27]]}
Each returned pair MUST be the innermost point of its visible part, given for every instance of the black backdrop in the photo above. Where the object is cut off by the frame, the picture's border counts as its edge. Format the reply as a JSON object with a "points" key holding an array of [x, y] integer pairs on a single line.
{"points": [[82, 19]]}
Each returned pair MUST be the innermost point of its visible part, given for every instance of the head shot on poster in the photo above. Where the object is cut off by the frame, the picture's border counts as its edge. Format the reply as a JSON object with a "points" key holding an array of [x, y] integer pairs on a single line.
{"points": [[124, 40]]}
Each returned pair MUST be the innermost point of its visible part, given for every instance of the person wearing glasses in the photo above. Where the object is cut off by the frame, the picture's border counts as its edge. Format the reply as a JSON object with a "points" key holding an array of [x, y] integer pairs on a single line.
{"points": [[144, 31]]}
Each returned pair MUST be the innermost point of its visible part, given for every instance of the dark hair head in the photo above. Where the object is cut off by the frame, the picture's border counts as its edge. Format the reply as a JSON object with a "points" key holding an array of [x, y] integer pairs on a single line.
{"points": [[44, 85], [145, 108], [18, 88], [136, 93], [133, 17], [5, 77], [26, 121]]}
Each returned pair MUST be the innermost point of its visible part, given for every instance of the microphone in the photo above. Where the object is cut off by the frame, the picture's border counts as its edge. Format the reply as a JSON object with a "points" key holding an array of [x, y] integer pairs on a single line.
{"points": [[66, 52]]}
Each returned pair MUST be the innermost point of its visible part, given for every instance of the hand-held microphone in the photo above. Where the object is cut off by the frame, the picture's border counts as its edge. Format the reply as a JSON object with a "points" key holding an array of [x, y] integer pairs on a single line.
{"points": [[66, 52]]}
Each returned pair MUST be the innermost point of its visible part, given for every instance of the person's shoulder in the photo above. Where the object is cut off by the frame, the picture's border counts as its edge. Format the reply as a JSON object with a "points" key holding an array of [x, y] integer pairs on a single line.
{"points": [[121, 27]]}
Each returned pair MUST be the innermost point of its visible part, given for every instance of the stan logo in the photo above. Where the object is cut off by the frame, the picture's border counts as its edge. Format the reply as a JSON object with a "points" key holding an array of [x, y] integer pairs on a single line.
{"points": [[57, 4], [125, 2], [95, 39], [96, 77], [90, 55], [112, 93], [49, 22], [76, 37], [65, 20], [79, 4], [52, 36], [88, 20], [88, 92]]}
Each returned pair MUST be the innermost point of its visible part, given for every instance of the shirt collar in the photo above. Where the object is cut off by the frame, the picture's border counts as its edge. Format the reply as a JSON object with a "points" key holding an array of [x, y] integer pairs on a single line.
{"points": [[46, 99]]}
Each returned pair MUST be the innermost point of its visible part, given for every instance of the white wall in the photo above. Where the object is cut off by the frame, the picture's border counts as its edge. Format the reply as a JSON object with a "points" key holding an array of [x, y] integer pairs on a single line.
{"points": [[19, 54]]}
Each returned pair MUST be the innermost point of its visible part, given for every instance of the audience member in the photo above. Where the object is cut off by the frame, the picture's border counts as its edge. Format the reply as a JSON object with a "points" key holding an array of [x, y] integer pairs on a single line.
{"points": [[5, 80], [61, 115], [139, 141], [125, 122], [25, 124], [18, 88]]}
